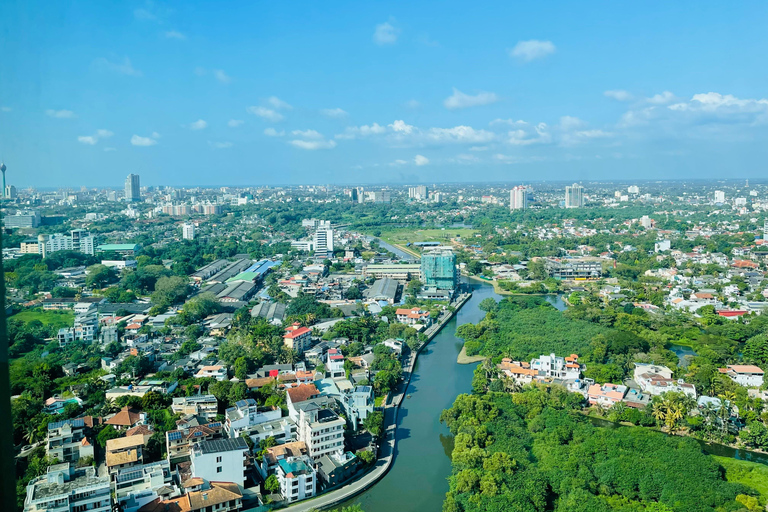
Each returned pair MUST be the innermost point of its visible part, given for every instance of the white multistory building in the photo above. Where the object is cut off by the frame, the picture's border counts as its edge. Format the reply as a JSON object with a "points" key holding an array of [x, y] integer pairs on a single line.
{"points": [[574, 196], [719, 196], [220, 460], [321, 429], [188, 231], [66, 489], [518, 199], [297, 478]]}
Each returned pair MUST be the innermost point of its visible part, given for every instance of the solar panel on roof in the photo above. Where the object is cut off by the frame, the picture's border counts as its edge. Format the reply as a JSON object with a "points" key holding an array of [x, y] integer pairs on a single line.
{"points": [[174, 435]]}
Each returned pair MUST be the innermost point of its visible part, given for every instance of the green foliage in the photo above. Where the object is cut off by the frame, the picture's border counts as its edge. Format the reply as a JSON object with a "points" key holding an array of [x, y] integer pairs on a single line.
{"points": [[532, 451], [374, 422], [271, 485]]}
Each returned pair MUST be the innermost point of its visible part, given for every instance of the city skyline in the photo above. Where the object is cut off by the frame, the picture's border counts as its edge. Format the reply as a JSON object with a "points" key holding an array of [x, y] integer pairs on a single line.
{"points": [[183, 95]]}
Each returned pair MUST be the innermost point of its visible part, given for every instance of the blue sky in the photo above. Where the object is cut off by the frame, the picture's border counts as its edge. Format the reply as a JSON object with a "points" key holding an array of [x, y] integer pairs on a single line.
{"points": [[253, 93]]}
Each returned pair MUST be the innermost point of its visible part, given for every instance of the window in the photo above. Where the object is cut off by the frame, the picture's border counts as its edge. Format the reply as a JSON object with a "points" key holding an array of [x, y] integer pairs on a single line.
{"points": [[218, 459], [218, 469]]}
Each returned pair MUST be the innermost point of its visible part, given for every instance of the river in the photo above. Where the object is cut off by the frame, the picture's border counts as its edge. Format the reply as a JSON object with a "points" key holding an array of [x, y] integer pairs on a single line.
{"points": [[418, 478]]}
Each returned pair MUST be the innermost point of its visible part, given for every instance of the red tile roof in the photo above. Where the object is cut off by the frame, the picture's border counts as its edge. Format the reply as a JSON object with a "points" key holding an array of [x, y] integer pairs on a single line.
{"points": [[302, 392]]}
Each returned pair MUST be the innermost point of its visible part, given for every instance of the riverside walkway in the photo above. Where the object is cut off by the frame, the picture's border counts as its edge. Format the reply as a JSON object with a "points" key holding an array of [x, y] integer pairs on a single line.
{"points": [[389, 442]]}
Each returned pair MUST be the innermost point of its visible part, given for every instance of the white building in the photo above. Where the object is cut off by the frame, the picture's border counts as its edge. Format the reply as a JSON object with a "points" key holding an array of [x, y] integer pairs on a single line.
{"points": [[297, 477], [645, 221], [66, 441], [335, 364], [551, 366], [220, 460], [323, 241], [662, 246], [418, 192], [217, 371], [518, 200], [574, 196], [633, 189], [65, 489], [200, 405], [321, 429], [656, 379], [246, 414], [141, 478], [188, 231], [744, 374], [719, 196]]}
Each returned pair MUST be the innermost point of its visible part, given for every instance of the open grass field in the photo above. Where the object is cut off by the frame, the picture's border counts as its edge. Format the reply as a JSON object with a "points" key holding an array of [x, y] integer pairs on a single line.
{"points": [[751, 474], [404, 236], [56, 318]]}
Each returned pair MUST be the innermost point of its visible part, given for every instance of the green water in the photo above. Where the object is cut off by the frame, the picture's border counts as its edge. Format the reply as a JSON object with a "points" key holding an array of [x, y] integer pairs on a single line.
{"points": [[418, 478]]}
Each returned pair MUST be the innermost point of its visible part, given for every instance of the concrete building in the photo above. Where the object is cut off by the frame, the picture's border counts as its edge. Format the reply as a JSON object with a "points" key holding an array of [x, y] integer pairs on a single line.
{"points": [[297, 478], [141, 478], [321, 429], [246, 414], [188, 231], [518, 200], [132, 188], [66, 489], [67, 442], [398, 272], [297, 338], [201, 496], [205, 406], [657, 379], [179, 442], [10, 192], [551, 366], [220, 460], [23, 219], [335, 364], [438, 269], [574, 268], [383, 290], [323, 242], [419, 193], [719, 196], [125, 452], [574, 196], [746, 375]]}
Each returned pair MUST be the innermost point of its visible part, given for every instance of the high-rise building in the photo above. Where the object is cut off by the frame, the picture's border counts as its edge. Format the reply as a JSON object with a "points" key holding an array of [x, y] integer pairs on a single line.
{"points": [[323, 242], [574, 196], [765, 229], [65, 488], [188, 232], [418, 192], [132, 188], [518, 199], [646, 222], [633, 189], [360, 195], [10, 192], [438, 269], [719, 196]]}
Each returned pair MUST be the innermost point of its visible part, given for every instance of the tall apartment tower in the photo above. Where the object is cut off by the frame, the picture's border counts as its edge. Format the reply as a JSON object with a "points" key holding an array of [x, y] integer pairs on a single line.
{"points": [[719, 196], [132, 188], [518, 198], [188, 231], [438, 269], [765, 229], [574, 196]]}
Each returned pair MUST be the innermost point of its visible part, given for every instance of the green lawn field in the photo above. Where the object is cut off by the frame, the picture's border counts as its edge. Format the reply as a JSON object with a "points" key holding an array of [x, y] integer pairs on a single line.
{"points": [[57, 318], [751, 474], [404, 236]]}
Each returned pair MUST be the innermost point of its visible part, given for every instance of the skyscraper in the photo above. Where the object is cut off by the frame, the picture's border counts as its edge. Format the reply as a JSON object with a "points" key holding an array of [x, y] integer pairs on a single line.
{"points": [[719, 196], [518, 199], [574, 196], [418, 192], [323, 241], [132, 188], [188, 232]]}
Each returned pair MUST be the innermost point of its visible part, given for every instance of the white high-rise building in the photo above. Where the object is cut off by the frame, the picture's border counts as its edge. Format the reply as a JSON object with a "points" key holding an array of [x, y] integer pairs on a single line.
{"points": [[132, 188], [419, 192], [188, 231], [633, 189], [645, 221], [574, 196], [518, 200], [719, 196], [765, 229], [323, 241]]}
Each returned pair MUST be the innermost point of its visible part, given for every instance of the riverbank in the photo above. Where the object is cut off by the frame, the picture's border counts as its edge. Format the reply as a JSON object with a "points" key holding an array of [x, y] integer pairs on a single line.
{"points": [[500, 291], [465, 359], [387, 449]]}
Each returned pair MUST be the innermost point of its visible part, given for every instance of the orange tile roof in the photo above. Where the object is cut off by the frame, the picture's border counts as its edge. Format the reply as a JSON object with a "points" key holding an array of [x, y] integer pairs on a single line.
{"points": [[125, 418], [302, 392]]}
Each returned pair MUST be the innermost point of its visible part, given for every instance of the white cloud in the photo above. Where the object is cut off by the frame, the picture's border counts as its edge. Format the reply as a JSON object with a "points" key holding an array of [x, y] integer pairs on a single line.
{"points": [[87, 139], [198, 125], [618, 95], [265, 113], [307, 134], [155, 135], [352, 132], [60, 114], [143, 141], [122, 68], [220, 145], [479, 148], [385, 33], [661, 99], [234, 123], [399, 162], [334, 113], [5, 109], [460, 100], [713, 102], [271, 132], [278, 104], [420, 160], [529, 135], [571, 123], [93, 139], [458, 135], [221, 76], [510, 122], [173, 34], [531, 50], [412, 104], [313, 144], [401, 127]]}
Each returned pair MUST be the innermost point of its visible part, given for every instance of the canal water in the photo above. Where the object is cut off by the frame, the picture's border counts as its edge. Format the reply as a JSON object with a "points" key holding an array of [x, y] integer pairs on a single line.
{"points": [[418, 478]]}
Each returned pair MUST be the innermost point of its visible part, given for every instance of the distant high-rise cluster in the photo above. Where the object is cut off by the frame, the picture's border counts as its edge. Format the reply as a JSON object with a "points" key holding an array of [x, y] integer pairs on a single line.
{"points": [[132, 188], [518, 198], [574, 196], [418, 192]]}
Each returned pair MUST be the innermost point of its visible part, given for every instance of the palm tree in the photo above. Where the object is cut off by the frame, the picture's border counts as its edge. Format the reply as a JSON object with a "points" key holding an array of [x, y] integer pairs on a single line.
{"points": [[109, 407], [31, 435]]}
